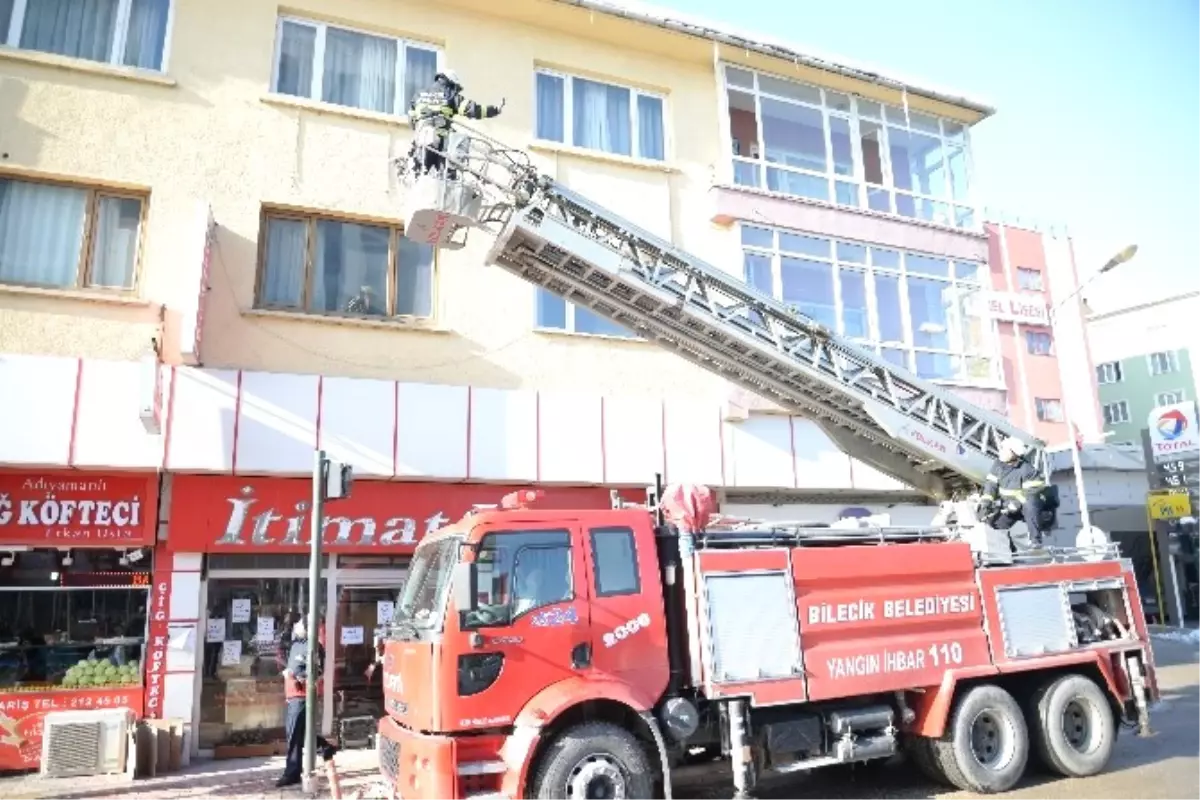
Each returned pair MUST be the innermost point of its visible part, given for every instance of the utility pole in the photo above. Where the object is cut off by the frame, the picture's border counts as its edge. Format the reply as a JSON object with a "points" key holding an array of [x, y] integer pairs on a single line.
{"points": [[331, 480]]}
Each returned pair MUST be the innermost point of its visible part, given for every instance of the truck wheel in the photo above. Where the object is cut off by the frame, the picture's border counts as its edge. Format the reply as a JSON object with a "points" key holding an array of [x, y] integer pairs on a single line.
{"points": [[594, 760], [920, 749], [986, 744], [1073, 727]]}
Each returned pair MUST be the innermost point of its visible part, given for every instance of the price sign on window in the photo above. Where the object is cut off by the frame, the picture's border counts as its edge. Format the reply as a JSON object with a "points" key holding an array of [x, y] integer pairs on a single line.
{"points": [[383, 612], [241, 610], [216, 630]]}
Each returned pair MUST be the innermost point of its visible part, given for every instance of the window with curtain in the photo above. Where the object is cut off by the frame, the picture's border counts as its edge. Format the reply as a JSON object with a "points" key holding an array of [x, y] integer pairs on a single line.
{"points": [[128, 33], [64, 236], [599, 116], [350, 68], [333, 267], [915, 310]]}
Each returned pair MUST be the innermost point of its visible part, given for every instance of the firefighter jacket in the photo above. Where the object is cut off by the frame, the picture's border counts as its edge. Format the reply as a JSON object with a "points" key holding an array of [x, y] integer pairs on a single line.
{"points": [[1012, 480], [441, 102]]}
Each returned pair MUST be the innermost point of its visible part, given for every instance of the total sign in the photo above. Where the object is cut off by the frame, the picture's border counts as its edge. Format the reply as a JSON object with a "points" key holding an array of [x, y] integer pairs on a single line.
{"points": [[1173, 430]]}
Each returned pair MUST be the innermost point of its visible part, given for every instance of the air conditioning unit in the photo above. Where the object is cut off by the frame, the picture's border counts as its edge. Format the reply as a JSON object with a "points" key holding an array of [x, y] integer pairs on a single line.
{"points": [[81, 743]]}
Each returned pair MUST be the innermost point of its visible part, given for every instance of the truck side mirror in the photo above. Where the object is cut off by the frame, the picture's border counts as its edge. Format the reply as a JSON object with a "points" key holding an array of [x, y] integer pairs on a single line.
{"points": [[464, 586]]}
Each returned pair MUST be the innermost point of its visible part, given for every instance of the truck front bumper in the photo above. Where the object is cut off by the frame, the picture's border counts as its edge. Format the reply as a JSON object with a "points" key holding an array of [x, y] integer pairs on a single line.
{"points": [[424, 765]]}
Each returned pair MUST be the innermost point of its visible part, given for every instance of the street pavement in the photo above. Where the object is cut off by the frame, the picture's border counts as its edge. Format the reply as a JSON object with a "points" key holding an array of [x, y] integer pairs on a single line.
{"points": [[1164, 766]]}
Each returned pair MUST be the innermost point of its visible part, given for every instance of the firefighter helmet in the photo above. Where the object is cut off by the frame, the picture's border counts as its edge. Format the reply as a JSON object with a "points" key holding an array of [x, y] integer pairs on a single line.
{"points": [[450, 77], [1012, 448]]}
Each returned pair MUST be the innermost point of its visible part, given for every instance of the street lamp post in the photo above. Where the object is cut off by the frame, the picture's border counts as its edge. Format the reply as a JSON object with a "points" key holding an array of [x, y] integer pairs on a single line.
{"points": [[1125, 255]]}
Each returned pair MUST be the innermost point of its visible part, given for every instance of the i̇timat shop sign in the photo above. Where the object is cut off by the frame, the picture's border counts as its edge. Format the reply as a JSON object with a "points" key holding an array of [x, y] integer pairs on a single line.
{"points": [[223, 514], [76, 509], [23, 716]]}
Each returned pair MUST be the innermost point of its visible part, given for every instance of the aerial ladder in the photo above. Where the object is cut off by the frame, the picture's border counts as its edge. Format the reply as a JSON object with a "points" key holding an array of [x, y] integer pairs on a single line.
{"points": [[910, 429]]}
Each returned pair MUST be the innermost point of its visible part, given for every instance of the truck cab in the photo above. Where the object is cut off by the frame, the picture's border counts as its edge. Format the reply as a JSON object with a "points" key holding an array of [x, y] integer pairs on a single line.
{"points": [[507, 616]]}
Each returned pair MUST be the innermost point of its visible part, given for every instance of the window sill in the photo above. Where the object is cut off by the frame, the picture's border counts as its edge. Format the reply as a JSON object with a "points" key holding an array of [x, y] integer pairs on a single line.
{"points": [[577, 335], [79, 295], [976, 232], [83, 65], [598, 155], [321, 107], [389, 324]]}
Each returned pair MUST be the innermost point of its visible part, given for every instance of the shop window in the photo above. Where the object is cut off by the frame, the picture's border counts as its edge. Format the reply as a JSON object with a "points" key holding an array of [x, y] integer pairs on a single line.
{"points": [[319, 265], [247, 639], [520, 572], [615, 557], [88, 632], [66, 236]]}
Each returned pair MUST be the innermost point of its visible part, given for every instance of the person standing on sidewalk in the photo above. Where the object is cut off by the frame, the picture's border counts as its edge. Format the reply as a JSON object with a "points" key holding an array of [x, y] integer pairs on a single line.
{"points": [[295, 682]]}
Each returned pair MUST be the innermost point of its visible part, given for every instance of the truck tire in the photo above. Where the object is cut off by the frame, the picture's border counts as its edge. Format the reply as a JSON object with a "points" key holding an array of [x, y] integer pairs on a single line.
{"points": [[986, 744], [920, 750], [595, 759], [1073, 727]]}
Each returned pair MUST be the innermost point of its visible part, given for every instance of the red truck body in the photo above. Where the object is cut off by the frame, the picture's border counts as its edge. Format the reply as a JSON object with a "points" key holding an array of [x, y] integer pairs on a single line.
{"points": [[783, 652]]}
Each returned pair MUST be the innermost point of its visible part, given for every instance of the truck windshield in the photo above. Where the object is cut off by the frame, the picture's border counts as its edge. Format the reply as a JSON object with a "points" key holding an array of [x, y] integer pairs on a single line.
{"points": [[423, 598]]}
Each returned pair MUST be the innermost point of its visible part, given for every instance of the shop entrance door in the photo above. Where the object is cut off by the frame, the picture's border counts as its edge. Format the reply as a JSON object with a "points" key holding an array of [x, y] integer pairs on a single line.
{"points": [[364, 605]]}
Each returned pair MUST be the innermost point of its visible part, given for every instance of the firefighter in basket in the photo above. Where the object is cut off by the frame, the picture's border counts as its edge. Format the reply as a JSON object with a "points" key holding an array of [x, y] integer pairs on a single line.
{"points": [[430, 114], [1015, 490]]}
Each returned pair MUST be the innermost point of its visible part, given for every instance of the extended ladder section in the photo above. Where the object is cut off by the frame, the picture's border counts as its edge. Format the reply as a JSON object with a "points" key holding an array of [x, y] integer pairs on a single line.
{"points": [[919, 433]]}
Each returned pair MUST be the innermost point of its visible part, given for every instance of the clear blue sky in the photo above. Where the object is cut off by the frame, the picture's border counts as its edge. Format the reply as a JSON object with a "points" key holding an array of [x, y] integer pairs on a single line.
{"points": [[1097, 122]]}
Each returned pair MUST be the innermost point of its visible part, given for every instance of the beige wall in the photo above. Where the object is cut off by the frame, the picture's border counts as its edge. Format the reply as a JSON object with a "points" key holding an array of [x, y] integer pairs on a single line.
{"points": [[210, 132]]}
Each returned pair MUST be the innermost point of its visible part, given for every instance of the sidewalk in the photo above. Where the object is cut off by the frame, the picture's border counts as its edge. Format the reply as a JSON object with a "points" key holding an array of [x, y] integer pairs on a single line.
{"points": [[245, 777]]}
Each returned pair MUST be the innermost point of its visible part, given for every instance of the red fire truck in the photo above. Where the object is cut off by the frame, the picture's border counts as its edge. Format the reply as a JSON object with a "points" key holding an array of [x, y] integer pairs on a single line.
{"points": [[552, 653]]}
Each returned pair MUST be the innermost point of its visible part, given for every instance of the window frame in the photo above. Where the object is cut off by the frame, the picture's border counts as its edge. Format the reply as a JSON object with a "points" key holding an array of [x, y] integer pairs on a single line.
{"points": [[1169, 357], [637, 569], [569, 116], [116, 47], [855, 116], [310, 218], [875, 343], [84, 261], [568, 328], [1029, 272], [1123, 405], [1030, 334], [569, 546], [1106, 368], [1178, 393], [315, 93], [1040, 404]]}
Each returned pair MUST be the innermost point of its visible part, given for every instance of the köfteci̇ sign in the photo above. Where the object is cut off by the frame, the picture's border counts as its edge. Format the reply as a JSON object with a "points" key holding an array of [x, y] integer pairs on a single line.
{"points": [[223, 514], [1016, 307], [1173, 431], [77, 509]]}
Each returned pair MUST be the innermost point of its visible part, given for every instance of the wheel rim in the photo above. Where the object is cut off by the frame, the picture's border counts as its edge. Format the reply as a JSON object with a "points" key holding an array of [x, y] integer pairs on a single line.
{"points": [[596, 777], [1077, 726], [991, 740]]}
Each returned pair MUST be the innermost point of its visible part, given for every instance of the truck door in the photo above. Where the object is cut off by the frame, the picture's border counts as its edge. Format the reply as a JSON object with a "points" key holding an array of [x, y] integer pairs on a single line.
{"points": [[532, 613], [629, 636]]}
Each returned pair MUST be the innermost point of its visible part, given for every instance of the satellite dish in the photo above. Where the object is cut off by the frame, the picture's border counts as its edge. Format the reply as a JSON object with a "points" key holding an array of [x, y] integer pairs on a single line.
{"points": [[1093, 541]]}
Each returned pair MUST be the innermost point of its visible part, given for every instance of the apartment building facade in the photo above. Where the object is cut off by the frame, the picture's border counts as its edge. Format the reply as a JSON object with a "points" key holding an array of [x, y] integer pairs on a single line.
{"points": [[1143, 360], [203, 277]]}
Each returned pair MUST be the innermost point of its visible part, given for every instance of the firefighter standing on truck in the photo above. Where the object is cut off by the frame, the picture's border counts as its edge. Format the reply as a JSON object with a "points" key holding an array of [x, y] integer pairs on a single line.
{"points": [[430, 114], [1017, 485]]}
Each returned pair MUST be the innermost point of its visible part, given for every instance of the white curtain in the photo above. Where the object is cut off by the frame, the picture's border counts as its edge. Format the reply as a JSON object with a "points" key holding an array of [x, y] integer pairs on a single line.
{"points": [[601, 118], [420, 68], [41, 233], [147, 34], [283, 282], [297, 48], [360, 71], [651, 137], [414, 279], [76, 28], [118, 220], [551, 108]]}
